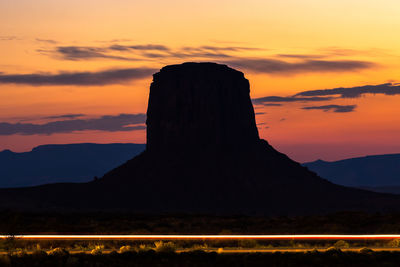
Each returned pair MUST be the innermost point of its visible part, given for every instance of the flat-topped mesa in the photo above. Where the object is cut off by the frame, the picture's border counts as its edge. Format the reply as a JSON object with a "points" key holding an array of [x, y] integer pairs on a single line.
{"points": [[199, 106]]}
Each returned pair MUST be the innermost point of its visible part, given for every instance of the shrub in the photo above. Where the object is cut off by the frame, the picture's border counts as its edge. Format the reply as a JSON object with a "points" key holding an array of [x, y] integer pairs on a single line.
{"points": [[333, 250], [341, 244], [143, 248], [200, 246], [37, 247], [395, 243], [124, 249], [20, 253], [80, 246], [98, 250], [165, 247], [60, 252]]}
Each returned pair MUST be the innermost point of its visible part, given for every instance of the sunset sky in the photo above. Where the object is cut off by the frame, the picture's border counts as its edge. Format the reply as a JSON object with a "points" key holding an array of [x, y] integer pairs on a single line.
{"points": [[79, 71]]}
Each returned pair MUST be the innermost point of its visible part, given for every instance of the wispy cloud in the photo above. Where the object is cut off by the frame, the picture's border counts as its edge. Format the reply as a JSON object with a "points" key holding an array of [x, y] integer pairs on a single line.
{"points": [[109, 123], [84, 53], [346, 52], [271, 104], [274, 66], [48, 41], [145, 47], [149, 51], [105, 77], [334, 108], [114, 40], [220, 48], [64, 116], [8, 38], [266, 101], [301, 56], [353, 92]]}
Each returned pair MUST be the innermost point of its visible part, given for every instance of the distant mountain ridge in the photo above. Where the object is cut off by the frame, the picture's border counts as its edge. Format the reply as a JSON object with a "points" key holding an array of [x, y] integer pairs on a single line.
{"points": [[63, 163], [82, 162], [367, 172]]}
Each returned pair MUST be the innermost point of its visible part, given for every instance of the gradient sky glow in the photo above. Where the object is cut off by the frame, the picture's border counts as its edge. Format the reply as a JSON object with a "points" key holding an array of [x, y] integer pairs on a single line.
{"points": [[91, 59]]}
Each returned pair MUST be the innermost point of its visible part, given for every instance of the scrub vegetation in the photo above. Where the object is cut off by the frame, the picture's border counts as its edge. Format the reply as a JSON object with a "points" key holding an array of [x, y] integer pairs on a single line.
{"points": [[12, 223], [332, 257]]}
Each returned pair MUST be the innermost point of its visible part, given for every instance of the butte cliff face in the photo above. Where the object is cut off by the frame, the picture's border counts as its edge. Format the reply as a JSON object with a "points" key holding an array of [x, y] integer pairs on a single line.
{"points": [[197, 107], [203, 155]]}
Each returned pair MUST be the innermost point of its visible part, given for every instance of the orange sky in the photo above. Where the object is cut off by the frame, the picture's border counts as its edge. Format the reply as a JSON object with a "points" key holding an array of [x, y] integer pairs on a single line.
{"points": [[283, 47]]}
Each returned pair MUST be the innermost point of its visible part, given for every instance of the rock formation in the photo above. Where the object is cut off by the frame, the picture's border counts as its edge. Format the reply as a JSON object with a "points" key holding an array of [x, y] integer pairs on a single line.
{"points": [[198, 107], [203, 155]]}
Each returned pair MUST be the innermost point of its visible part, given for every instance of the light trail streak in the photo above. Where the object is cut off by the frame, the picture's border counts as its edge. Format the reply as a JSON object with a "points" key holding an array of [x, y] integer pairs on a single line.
{"points": [[203, 237]]}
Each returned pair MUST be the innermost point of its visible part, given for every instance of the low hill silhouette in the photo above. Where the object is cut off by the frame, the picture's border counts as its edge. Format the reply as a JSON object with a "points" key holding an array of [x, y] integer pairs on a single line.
{"points": [[393, 189], [203, 155], [369, 171], [63, 163]]}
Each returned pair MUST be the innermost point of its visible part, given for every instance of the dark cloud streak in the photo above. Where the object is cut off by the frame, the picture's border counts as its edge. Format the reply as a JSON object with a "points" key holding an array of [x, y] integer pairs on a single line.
{"points": [[354, 92], [280, 99], [300, 56], [274, 66], [64, 116], [334, 108], [113, 76], [109, 123], [147, 51], [219, 48], [147, 47], [8, 38], [48, 41], [76, 53]]}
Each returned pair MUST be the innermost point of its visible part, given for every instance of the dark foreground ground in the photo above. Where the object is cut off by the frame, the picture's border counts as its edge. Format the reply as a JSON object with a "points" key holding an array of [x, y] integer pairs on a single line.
{"points": [[13, 223], [152, 258], [16, 252]]}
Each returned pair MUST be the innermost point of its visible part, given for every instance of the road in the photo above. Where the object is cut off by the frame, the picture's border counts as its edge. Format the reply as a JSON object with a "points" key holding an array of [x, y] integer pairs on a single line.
{"points": [[205, 237]]}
